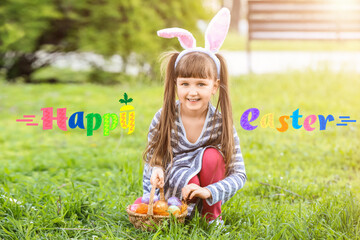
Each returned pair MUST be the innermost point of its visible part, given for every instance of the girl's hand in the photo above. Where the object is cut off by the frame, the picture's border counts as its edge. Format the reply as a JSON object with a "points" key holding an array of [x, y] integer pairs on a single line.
{"points": [[192, 190], [157, 177]]}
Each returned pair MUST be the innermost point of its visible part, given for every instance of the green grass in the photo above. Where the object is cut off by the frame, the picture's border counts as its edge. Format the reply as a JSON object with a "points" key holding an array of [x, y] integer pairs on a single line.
{"points": [[97, 177], [236, 42]]}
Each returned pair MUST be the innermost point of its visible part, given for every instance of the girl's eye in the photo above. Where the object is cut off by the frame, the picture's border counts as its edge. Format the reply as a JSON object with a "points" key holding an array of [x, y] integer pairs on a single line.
{"points": [[201, 84], [184, 84]]}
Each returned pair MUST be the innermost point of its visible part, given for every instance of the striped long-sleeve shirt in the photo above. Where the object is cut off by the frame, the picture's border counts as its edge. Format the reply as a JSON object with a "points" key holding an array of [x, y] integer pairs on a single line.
{"points": [[187, 160]]}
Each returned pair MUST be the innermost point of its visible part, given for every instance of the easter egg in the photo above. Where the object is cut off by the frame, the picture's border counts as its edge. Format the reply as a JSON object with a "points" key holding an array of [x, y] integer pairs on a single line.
{"points": [[160, 208], [161, 204], [142, 208], [175, 210], [174, 201], [146, 198], [133, 207]]}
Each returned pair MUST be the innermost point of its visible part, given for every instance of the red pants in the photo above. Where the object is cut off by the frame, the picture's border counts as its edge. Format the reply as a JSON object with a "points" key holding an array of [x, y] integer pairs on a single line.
{"points": [[212, 171]]}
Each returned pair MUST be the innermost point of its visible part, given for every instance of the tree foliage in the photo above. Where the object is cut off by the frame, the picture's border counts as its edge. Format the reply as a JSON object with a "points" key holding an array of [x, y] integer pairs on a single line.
{"points": [[106, 27]]}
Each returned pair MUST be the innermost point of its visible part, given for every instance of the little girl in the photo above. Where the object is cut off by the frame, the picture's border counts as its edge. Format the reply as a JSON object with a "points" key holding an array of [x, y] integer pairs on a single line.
{"points": [[193, 150]]}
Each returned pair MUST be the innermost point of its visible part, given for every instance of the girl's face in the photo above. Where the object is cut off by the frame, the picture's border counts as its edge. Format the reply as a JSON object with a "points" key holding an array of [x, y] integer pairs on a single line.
{"points": [[195, 93]]}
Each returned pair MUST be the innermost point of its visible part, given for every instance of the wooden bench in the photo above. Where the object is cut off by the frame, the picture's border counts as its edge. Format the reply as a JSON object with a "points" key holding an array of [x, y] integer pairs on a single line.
{"points": [[302, 20]]}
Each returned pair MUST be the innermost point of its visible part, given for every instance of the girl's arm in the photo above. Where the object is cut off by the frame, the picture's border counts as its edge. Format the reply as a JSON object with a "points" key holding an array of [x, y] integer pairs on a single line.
{"points": [[226, 188]]}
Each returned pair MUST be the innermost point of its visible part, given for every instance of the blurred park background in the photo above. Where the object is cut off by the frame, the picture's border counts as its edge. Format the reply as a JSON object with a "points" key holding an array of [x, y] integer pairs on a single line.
{"points": [[84, 55], [111, 42]]}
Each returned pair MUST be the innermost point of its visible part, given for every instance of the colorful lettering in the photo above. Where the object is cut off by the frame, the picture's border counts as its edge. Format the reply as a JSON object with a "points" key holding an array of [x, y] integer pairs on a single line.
{"points": [[267, 120], [90, 125], [48, 118], [309, 120], [114, 123], [79, 120], [295, 119], [284, 126], [244, 121], [323, 121], [123, 114]]}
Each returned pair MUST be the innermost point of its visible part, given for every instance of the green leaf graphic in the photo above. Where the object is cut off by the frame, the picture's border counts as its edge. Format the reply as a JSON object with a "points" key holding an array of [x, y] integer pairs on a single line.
{"points": [[126, 100]]}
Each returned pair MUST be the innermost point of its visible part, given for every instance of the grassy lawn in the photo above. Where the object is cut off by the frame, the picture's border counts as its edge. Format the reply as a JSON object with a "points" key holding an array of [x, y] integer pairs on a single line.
{"points": [[61, 185]]}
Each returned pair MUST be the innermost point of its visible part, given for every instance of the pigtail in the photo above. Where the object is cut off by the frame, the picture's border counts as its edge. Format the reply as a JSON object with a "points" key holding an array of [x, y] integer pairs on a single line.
{"points": [[159, 150], [227, 135]]}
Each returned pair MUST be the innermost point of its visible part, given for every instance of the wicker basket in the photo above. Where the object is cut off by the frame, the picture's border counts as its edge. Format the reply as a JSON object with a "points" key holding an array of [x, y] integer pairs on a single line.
{"points": [[147, 221]]}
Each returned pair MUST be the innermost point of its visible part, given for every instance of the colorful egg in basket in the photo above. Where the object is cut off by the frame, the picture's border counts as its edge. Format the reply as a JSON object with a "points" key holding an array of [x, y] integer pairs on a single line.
{"points": [[146, 216]]}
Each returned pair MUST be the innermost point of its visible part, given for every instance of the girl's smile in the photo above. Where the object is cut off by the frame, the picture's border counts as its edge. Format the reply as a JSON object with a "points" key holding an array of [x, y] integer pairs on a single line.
{"points": [[195, 94]]}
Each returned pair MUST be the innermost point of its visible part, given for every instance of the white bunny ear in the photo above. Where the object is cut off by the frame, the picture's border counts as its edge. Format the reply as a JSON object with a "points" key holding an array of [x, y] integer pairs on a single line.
{"points": [[186, 39], [217, 30]]}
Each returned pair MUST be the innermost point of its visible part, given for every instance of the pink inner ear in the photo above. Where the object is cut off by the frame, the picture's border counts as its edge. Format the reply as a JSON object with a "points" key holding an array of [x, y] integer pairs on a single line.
{"points": [[186, 39], [217, 30]]}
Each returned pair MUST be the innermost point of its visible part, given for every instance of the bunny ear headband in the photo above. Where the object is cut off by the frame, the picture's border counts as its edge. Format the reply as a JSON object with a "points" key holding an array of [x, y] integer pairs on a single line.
{"points": [[214, 37]]}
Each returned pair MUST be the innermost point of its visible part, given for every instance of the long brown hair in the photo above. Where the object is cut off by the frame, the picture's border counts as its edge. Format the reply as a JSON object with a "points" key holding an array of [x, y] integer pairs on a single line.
{"points": [[195, 65]]}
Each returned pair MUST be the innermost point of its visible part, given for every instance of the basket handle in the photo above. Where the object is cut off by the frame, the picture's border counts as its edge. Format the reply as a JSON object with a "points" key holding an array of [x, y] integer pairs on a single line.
{"points": [[151, 201]]}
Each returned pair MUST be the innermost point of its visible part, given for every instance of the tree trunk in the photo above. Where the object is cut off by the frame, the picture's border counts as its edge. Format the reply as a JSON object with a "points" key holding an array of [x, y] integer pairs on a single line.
{"points": [[235, 16], [22, 67]]}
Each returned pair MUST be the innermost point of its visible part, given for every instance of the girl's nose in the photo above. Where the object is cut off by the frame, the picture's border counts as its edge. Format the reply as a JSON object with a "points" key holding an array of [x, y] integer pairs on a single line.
{"points": [[193, 92]]}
